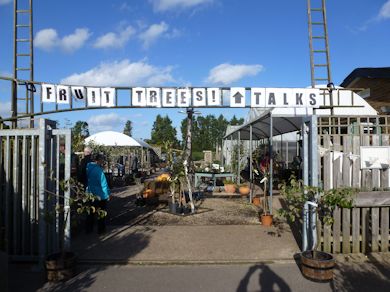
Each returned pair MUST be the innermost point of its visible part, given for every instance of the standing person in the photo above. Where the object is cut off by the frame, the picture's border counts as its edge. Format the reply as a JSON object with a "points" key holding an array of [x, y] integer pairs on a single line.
{"points": [[98, 186], [134, 165], [82, 176]]}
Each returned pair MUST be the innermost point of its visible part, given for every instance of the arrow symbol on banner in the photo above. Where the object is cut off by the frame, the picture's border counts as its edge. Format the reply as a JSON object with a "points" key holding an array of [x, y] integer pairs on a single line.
{"points": [[238, 97]]}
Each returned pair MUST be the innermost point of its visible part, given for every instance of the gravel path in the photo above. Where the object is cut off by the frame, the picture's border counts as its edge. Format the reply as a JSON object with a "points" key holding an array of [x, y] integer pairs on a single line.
{"points": [[123, 210]]}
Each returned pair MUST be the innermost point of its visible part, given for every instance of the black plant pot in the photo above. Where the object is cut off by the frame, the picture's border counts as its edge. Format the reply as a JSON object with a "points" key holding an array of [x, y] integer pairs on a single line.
{"points": [[173, 207]]}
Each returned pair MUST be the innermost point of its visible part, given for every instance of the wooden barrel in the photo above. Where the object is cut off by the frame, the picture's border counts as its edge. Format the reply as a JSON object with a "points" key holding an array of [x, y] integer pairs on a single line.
{"points": [[60, 266], [317, 265]]}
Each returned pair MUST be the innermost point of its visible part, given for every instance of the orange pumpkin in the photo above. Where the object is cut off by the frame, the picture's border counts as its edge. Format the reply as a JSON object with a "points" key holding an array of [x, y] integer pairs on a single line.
{"points": [[147, 193]]}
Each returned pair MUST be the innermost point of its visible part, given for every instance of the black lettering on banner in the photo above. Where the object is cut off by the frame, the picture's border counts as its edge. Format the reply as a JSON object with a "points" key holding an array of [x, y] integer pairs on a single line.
{"points": [[183, 97], [298, 97], [199, 95], [79, 93], [169, 97], [153, 96], [107, 93], [212, 95], [93, 96], [271, 99], [62, 94], [48, 92], [139, 92], [285, 102], [257, 97], [313, 100]]}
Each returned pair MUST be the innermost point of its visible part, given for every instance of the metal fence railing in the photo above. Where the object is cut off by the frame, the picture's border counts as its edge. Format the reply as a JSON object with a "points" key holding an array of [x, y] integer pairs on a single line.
{"points": [[32, 164]]}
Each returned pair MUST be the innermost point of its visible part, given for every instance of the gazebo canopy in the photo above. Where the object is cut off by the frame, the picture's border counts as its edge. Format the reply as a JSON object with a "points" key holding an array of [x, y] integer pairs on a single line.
{"points": [[111, 138], [261, 126]]}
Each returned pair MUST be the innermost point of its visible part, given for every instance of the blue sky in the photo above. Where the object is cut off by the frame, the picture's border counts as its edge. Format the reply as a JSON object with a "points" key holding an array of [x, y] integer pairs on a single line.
{"points": [[189, 42]]}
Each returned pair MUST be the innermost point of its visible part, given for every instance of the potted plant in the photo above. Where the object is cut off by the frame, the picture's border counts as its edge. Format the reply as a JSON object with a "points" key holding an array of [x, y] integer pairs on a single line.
{"points": [[256, 201], [176, 181], [262, 172], [60, 265], [230, 186], [266, 217], [244, 189], [316, 265]]}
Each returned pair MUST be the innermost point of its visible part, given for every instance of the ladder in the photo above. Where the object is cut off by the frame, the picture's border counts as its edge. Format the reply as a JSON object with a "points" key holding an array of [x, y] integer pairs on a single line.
{"points": [[23, 66], [318, 41]]}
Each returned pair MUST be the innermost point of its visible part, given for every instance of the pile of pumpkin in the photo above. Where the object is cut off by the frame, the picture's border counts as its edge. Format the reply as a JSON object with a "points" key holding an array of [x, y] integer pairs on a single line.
{"points": [[156, 187]]}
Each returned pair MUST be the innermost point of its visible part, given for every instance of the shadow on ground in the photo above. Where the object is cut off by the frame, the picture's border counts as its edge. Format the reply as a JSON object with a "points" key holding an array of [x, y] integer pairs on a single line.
{"points": [[268, 280], [129, 244], [371, 274]]}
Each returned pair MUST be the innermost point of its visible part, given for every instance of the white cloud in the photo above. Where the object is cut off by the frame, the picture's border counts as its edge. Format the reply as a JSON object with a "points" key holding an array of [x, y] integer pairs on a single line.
{"points": [[124, 7], [154, 32], [114, 122], [228, 73], [75, 41], [4, 2], [384, 12], [5, 109], [48, 39], [105, 122], [166, 5], [115, 40], [123, 72]]}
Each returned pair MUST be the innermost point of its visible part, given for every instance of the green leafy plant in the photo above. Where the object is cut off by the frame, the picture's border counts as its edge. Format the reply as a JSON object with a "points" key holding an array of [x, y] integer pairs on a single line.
{"points": [[295, 194], [229, 182]]}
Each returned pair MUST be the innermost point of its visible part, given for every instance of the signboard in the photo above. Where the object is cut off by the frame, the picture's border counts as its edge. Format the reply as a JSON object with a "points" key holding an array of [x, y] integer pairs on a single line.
{"points": [[187, 97], [375, 157]]}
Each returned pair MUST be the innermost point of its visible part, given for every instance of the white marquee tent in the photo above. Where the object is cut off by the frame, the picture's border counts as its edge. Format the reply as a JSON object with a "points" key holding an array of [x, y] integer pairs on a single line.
{"points": [[111, 138]]}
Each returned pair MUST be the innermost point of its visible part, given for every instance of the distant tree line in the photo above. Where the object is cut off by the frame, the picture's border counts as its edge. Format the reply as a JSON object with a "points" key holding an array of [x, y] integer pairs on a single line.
{"points": [[207, 131]]}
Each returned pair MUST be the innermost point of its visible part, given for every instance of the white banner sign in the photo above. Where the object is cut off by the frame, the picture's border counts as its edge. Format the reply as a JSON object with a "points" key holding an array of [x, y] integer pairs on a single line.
{"points": [[187, 97]]}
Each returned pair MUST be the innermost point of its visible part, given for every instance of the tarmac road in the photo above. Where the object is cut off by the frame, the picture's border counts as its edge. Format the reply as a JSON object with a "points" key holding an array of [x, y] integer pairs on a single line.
{"points": [[256, 277], [353, 273]]}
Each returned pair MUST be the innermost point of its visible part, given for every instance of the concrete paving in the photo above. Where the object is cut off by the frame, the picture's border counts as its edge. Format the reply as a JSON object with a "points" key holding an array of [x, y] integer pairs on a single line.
{"points": [[190, 244], [199, 258]]}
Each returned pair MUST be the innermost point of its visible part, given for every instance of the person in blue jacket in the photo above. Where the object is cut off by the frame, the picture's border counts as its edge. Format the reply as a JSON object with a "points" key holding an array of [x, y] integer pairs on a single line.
{"points": [[97, 185]]}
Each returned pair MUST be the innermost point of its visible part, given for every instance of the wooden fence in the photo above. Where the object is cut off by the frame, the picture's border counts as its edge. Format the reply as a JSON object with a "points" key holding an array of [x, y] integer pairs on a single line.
{"points": [[362, 229], [339, 139]]}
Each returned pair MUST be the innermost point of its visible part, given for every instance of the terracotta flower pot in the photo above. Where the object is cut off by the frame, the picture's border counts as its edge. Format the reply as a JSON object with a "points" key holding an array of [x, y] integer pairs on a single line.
{"points": [[244, 190], [266, 220], [256, 201], [60, 266], [230, 188]]}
